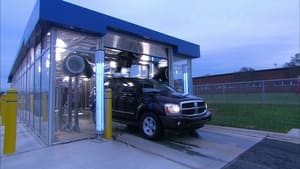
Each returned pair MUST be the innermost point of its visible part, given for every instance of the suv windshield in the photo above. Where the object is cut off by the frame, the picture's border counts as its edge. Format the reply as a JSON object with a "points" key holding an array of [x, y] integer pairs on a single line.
{"points": [[154, 86]]}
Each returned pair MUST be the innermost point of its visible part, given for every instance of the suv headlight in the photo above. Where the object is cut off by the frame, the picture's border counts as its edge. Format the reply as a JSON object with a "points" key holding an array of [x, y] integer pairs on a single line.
{"points": [[172, 109]]}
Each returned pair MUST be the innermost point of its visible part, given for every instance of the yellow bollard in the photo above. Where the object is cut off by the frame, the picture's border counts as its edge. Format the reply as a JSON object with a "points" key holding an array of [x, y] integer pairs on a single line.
{"points": [[10, 122], [108, 114], [0, 111], [3, 109]]}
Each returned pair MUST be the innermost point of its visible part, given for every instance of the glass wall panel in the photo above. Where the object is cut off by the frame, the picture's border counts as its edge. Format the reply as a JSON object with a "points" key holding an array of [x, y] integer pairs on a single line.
{"points": [[27, 98], [45, 74], [46, 42], [23, 94], [75, 58], [181, 74], [37, 95], [31, 94], [37, 51], [31, 56]]}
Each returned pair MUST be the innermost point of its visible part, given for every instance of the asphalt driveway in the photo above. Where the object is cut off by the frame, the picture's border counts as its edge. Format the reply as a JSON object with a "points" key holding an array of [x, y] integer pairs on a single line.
{"points": [[268, 154]]}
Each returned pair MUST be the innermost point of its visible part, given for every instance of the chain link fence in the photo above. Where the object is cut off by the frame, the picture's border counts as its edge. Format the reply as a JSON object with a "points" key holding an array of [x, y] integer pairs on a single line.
{"points": [[279, 91]]}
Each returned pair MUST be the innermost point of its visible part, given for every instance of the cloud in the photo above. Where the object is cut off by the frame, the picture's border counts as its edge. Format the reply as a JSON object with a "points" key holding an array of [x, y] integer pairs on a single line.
{"points": [[231, 33], [260, 54]]}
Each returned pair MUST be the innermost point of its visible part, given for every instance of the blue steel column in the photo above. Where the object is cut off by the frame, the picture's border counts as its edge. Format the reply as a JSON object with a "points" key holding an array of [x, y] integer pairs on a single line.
{"points": [[99, 92], [99, 59]]}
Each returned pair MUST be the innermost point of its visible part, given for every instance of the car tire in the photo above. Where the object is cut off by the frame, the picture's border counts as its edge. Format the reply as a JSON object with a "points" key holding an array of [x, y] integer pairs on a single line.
{"points": [[150, 126]]}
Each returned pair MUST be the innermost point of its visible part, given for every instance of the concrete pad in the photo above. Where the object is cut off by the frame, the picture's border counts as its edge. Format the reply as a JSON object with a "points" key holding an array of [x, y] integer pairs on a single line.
{"points": [[89, 154], [26, 140], [293, 137], [207, 150], [294, 133]]}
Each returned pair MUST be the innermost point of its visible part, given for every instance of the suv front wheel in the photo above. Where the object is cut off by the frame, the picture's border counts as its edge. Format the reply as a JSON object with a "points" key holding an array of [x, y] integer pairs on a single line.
{"points": [[150, 126]]}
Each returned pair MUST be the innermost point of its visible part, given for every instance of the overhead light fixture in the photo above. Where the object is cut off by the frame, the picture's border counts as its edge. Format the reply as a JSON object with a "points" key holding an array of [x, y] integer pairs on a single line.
{"points": [[145, 58], [60, 48], [39, 69], [143, 62], [47, 64], [60, 43], [146, 47], [124, 71], [163, 63], [113, 64], [85, 79], [66, 79]]}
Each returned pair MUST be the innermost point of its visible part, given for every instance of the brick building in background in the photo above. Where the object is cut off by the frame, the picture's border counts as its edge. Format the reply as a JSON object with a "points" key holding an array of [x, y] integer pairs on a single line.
{"points": [[281, 80]]}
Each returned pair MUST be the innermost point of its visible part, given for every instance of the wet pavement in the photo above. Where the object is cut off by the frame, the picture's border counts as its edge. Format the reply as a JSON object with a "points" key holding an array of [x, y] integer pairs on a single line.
{"points": [[204, 149], [268, 154], [222, 147]]}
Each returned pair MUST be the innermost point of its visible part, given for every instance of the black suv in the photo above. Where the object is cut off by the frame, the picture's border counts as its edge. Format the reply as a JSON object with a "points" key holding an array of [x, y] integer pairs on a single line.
{"points": [[155, 107]]}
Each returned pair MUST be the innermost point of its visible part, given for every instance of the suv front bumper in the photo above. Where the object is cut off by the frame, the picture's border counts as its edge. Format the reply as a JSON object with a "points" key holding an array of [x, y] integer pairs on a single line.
{"points": [[185, 123]]}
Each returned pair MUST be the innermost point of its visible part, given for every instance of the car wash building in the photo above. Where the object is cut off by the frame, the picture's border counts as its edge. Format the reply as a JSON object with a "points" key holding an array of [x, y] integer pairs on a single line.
{"points": [[68, 51]]}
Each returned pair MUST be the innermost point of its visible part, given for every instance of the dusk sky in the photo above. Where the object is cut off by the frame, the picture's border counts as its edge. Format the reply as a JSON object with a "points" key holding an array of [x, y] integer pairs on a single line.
{"points": [[261, 34]]}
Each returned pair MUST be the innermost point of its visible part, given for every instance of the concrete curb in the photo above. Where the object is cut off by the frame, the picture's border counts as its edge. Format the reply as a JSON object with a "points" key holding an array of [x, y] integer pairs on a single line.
{"points": [[293, 136]]}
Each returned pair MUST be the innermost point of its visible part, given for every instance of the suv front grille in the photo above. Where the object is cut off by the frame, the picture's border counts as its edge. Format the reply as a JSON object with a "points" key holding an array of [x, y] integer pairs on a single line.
{"points": [[193, 108]]}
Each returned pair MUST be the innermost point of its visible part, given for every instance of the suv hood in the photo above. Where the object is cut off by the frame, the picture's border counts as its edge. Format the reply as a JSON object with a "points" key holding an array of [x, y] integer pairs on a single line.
{"points": [[174, 97]]}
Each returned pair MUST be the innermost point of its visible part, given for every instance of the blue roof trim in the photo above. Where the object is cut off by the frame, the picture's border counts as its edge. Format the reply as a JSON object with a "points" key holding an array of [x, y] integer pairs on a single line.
{"points": [[33, 21], [70, 15]]}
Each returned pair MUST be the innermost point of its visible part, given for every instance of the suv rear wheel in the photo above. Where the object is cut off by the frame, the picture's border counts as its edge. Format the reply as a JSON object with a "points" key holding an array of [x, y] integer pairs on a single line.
{"points": [[150, 126]]}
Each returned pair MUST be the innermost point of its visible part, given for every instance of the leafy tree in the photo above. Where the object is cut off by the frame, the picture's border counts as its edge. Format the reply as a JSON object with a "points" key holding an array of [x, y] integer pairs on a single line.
{"points": [[247, 69], [295, 61]]}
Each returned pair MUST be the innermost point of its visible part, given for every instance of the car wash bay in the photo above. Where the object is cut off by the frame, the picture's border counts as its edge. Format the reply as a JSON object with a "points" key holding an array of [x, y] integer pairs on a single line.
{"points": [[55, 71]]}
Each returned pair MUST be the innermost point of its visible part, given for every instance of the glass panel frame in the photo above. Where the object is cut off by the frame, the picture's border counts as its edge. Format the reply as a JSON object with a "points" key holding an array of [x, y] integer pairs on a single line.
{"points": [[182, 74], [72, 119]]}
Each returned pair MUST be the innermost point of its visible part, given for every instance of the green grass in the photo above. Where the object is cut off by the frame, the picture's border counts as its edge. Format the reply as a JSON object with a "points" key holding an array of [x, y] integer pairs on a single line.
{"points": [[254, 98], [269, 117]]}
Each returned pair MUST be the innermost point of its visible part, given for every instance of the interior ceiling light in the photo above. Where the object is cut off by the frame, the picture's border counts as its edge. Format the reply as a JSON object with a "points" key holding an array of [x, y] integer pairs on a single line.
{"points": [[145, 58], [66, 79], [163, 63], [113, 64], [124, 71], [143, 62], [60, 45], [146, 47]]}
